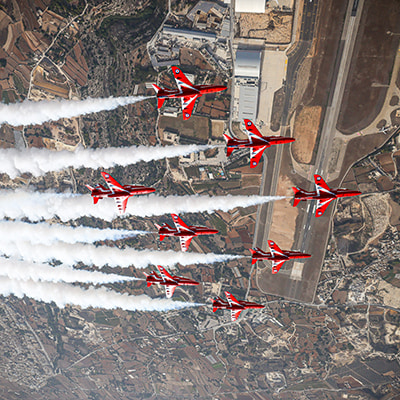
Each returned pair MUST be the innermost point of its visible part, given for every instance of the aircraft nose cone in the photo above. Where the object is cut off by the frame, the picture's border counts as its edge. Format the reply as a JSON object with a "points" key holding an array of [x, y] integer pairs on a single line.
{"points": [[213, 231], [220, 88]]}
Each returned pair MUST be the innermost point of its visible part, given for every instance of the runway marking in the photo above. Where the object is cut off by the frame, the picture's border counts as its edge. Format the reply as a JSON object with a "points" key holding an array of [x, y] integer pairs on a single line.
{"points": [[297, 271]]}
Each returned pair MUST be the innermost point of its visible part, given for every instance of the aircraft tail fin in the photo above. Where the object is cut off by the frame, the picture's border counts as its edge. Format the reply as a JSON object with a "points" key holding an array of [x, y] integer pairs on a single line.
{"points": [[156, 88], [159, 228], [229, 142], [148, 282], [253, 252], [95, 198], [228, 137], [160, 102], [296, 200]]}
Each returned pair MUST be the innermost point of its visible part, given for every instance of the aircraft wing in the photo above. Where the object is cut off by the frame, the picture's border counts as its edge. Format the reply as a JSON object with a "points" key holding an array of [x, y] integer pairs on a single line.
{"points": [[164, 273], [121, 203], [185, 242], [231, 299], [180, 225], [169, 290], [275, 249], [188, 103], [252, 131], [322, 205], [255, 155], [277, 265], [321, 185], [180, 78], [235, 314], [112, 183]]}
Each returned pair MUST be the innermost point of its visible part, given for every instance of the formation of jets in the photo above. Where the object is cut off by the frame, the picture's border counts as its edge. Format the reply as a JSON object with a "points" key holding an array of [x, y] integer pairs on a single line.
{"points": [[322, 193], [257, 143], [184, 232], [186, 91]]}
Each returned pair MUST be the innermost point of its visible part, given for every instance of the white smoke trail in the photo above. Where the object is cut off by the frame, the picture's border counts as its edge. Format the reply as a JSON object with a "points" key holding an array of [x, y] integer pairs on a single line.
{"points": [[36, 206], [40, 161], [22, 270], [64, 293], [71, 254], [13, 231], [36, 112]]}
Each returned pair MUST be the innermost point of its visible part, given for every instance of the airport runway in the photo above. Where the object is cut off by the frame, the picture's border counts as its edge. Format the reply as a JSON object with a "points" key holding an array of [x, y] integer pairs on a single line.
{"points": [[273, 156], [313, 233]]}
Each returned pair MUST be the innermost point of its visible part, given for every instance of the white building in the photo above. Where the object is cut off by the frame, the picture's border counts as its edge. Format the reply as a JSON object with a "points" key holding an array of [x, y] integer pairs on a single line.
{"points": [[250, 6], [247, 74], [248, 64]]}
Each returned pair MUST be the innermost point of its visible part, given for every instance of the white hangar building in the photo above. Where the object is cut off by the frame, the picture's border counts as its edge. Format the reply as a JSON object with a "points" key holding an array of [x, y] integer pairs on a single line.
{"points": [[247, 74]]}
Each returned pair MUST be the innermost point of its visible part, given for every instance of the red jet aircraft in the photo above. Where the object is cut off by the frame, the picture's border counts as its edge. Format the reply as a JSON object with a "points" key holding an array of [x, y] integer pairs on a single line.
{"points": [[120, 193], [184, 232], [277, 256], [256, 142], [234, 305], [323, 193], [188, 92], [170, 282]]}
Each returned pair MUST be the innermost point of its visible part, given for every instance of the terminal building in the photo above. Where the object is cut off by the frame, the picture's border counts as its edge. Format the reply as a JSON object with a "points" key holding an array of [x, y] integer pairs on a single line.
{"points": [[247, 76]]}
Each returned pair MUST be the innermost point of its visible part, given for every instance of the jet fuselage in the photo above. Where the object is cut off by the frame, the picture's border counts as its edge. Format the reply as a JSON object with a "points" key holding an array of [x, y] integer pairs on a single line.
{"points": [[166, 230], [218, 303], [261, 142], [198, 90], [154, 278], [259, 254], [334, 194], [130, 190]]}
